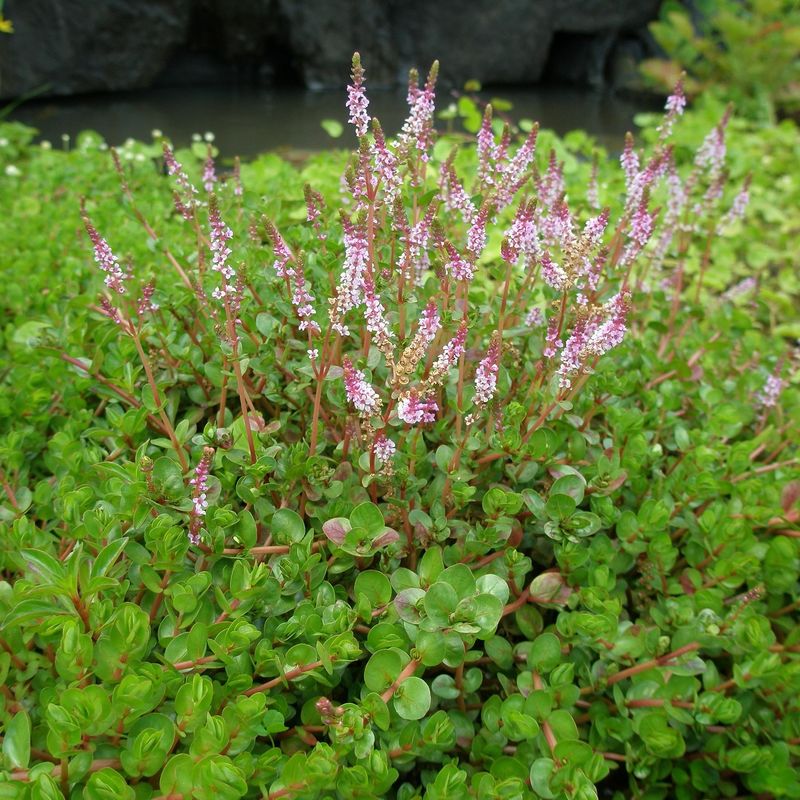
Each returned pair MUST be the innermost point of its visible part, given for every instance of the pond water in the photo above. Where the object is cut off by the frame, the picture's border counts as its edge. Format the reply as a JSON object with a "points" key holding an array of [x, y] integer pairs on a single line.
{"points": [[250, 120]]}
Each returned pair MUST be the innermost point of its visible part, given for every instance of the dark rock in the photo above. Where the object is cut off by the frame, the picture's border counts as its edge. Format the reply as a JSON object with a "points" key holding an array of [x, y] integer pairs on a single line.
{"points": [[580, 58], [93, 45], [88, 45], [323, 35], [591, 16], [624, 60], [492, 41]]}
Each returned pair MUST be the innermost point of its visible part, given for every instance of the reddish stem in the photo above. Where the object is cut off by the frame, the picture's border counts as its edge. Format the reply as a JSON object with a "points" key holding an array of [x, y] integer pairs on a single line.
{"points": [[407, 672]]}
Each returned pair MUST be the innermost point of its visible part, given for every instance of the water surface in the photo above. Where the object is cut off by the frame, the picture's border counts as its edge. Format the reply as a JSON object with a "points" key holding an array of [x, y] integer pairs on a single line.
{"points": [[249, 120]]}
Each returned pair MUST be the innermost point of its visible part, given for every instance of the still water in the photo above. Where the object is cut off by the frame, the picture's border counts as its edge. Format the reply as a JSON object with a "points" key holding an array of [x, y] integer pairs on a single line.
{"points": [[247, 121]]}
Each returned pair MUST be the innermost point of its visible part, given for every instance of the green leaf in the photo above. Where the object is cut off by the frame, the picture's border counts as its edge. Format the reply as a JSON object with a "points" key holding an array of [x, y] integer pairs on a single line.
{"points": [[332, 127], [17, 740], [571, 485], [168, 476], [661, 739], [108, 555], [217, 778], [176, 777], [246, 530], [563, 725], [542, 770], [378, 710], [430, 566], [488, 612], [368, 517], [375, 585], [412, 700], [560, 506], [108, 784], [440, 602], [383, 668], [460, 577], [287, 526], [40, 563], [28, 611], [430, 647], [30, 334]]}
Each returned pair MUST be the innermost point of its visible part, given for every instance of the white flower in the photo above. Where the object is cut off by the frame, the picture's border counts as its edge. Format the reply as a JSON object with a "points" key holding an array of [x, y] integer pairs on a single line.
{"points": [[13, 171]]}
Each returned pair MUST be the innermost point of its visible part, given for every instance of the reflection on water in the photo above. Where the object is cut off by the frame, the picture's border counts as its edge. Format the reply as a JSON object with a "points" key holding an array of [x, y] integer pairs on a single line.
{"points": [[247, 121]]}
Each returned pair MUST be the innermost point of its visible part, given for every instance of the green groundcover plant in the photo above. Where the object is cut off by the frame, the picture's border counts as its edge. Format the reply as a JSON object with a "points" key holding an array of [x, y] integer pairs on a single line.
{"points": [[442, 469]]}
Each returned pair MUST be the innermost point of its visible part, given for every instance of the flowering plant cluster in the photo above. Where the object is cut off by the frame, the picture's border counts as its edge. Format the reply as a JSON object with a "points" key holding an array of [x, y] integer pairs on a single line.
{"points": [[431, 470]]}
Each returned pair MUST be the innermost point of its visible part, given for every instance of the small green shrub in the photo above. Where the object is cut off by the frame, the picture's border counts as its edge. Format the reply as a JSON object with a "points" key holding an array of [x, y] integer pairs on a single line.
{"points": [[747, 51], [513, 515]]}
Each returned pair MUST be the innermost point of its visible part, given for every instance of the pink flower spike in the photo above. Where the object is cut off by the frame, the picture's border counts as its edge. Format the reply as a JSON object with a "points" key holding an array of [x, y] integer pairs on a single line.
{"points": [[303, 301], [595, 227], [573, 355], [199, 483], [429, 322], [314, 206], [553, 274], [220, 236], [711, 154], [417, 240], [551, 186], [676, 102], [209, 172], [773, 386], [350, 290], [738, 208], [674, 107], [283, 255], [629, 160], [357, 101], [451, 352], [145, 303], [457, 266], [418, 128], [486, 374], [534, 317], [641, 229], [386, 164], [105, 258], [383, 448], [375, 316], [486, 148], [359, 391], [414, 409], [112, 312], [611, 332], [521, 236], [453, 194], [184, 200], [552, 339], [476, 236]]}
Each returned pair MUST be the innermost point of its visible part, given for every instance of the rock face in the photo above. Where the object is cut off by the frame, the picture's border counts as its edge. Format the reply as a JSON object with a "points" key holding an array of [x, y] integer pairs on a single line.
{"points": [[75, 46]]}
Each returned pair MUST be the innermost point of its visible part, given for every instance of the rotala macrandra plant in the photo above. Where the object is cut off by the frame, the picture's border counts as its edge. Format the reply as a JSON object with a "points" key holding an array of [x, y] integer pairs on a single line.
{"points": [[429, 479]]}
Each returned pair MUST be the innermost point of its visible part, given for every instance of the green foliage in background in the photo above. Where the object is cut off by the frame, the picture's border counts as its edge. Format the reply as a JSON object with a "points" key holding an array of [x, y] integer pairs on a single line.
{"points": [[744, 51]]}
